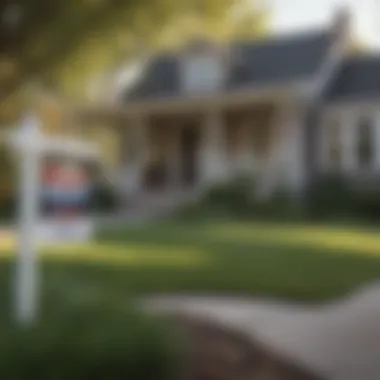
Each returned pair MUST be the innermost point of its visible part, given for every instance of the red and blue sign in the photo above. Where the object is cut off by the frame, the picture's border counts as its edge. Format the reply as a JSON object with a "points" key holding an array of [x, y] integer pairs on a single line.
{"points": [[66, 189]]}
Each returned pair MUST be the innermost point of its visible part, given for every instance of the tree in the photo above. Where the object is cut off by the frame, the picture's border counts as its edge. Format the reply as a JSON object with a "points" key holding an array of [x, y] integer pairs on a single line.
{"points": [[63, 42]]}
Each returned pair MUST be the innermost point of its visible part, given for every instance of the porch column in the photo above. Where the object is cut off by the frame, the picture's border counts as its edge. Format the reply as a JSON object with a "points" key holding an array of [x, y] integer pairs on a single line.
{"points": [[213, 162], [323, 145], [277, 163], [294, 137], [377, 141], [245, 160], [174, 158], [286, 163], [136, 156], [348, 134]]}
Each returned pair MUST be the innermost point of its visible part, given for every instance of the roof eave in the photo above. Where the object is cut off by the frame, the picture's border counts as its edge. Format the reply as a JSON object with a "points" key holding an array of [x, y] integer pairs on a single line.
{"points": [[296, 88], [353, 100]]}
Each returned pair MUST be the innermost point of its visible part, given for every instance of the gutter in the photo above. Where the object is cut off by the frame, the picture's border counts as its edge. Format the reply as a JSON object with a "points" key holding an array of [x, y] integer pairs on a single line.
{"points": [[171, 104]]}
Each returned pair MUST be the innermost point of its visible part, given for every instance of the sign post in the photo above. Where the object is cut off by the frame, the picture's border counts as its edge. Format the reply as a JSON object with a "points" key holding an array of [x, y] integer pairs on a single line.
{"points": [[26, 269], [31, 146]]}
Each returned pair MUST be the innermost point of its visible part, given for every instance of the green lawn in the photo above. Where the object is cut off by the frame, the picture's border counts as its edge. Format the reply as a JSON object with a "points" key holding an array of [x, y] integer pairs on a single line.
{"points": [[290, 261]]}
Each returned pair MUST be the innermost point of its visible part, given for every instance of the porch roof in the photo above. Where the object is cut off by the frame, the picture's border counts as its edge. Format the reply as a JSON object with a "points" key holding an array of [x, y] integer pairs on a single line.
{"points": [[274, 61]]}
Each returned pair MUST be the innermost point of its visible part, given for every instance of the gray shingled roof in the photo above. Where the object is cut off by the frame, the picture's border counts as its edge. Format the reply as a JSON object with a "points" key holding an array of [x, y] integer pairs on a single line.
{"points": [[358, 77], [272, 61]]}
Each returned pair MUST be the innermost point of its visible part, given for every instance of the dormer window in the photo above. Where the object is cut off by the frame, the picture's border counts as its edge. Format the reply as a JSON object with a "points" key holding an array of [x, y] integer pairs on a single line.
{"points": [[203, 69]]}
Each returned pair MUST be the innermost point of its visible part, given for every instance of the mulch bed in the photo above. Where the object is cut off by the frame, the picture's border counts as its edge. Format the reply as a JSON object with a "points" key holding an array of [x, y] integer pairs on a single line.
{"points": [[218, 353]]}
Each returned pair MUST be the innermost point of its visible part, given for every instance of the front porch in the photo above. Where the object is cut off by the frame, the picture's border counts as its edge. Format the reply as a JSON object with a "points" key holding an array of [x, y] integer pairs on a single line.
{"points": [[193, 149]]}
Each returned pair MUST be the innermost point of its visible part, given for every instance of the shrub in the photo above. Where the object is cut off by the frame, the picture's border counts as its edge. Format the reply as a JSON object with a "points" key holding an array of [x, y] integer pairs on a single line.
{"points": [[366, 204], [280, 206], [330, 197], [337, 198], [237, 199], [87, 339], [233, 198], [103, 198], [8, 208]]}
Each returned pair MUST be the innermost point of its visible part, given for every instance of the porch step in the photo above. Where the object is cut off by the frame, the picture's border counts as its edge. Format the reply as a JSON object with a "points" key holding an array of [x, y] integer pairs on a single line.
{"points": [[149, 206]]}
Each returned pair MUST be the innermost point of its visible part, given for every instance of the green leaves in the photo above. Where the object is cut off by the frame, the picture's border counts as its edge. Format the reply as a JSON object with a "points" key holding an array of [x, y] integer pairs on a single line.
{"points": [[94, 338], [71, 41]]}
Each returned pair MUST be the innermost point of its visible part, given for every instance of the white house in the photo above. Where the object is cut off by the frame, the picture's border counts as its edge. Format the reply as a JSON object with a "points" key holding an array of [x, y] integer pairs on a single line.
{"points": [[277, 109]]}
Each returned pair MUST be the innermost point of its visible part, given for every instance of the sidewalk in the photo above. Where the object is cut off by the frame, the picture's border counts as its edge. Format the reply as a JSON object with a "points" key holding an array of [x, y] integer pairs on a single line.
{"points": [[340, 341]]}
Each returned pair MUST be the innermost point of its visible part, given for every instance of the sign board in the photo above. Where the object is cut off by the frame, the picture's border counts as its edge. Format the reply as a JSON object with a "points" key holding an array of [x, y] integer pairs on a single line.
{"points": [[65, 198], [64, 231]]}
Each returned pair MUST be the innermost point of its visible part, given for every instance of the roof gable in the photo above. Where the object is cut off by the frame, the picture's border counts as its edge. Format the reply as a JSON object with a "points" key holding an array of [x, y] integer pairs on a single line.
{"points": [[271, 61], [358, 78], [278, 60]]}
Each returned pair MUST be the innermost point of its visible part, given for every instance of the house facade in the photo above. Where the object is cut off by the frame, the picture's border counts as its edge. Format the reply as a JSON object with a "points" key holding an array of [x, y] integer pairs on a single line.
{"points": [[276, 110]]}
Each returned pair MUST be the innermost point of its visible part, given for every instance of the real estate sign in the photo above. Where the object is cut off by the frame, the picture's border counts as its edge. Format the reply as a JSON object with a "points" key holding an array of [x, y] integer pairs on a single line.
{"points": [[65, 198], [64, 187]]}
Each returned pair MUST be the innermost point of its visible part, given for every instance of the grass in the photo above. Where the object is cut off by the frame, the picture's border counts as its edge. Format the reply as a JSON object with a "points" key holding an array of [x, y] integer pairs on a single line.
{"points": [[302, 262]]}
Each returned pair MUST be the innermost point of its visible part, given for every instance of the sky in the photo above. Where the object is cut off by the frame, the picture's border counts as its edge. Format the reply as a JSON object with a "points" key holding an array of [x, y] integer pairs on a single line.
{"points": [[292, 15]]}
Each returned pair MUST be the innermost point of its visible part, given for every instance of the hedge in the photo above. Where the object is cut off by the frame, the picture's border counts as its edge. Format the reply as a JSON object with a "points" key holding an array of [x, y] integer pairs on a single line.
{"points": [[88, 339]]}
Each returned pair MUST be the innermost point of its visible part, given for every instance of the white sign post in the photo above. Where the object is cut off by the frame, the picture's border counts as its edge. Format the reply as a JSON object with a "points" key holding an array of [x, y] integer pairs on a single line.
{"points": [[26, 276], [32, 145]]}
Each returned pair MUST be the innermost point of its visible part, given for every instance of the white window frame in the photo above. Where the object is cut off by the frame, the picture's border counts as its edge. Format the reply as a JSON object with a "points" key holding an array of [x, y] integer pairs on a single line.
{"points": [[360, 118], [202, 74]]}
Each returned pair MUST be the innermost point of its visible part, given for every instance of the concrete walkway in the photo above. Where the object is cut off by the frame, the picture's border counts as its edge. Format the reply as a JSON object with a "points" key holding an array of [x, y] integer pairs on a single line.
{"points": [[149, 207], [340, 340]]}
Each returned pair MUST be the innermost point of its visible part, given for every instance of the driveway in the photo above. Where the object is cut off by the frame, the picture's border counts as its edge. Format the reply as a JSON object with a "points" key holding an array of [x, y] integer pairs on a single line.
{"points": [[340, 340]]}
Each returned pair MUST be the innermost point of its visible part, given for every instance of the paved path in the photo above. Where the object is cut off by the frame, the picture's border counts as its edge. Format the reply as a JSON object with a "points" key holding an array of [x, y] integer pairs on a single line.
{"points": [[339, 340]]}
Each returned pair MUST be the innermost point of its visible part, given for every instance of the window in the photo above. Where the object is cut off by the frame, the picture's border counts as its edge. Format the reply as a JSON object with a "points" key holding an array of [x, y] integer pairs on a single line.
{"points": [[365, 146], [334, 145], [202, 73]]}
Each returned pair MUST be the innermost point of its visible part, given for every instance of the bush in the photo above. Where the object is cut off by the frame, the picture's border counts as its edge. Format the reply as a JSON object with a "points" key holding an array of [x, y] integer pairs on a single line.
{"points": [[232, 198], [280, 206], [8, 208], [331, 197], [103, 198], [366, 205], [237, 200], [337, 198], [88, 339]]}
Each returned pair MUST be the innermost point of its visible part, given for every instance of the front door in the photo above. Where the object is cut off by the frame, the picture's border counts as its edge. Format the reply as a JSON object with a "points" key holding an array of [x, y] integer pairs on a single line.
{"points": [[189, 146]]}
